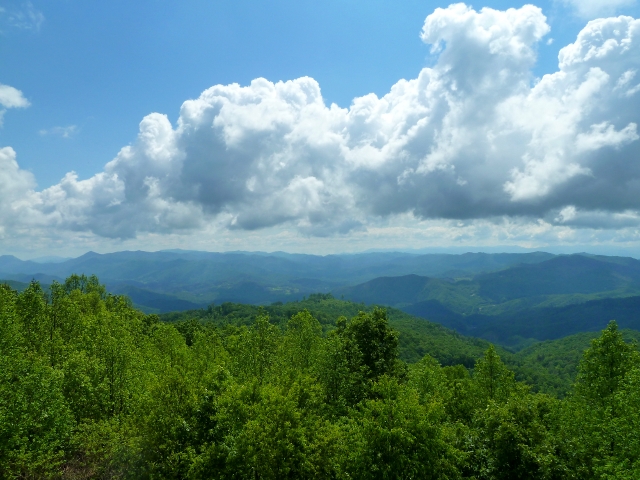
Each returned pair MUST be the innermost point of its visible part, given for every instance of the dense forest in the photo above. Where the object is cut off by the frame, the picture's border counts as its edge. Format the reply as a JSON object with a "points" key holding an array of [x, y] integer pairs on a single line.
{"points": [[90, 387]]}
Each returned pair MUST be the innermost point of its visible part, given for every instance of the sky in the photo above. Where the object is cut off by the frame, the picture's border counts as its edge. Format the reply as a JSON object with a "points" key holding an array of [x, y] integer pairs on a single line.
{"points": [[319, 127]]}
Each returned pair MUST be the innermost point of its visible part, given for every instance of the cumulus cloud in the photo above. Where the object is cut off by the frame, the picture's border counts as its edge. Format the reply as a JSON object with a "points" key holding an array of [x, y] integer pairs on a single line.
{"points": [[474, 138], [18, 195]]}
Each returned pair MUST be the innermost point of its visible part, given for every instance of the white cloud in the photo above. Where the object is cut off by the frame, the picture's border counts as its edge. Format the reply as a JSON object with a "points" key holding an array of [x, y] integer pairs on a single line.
{"points": [[597, 218], [18, 196], [598, 8], [11, 97], [64, 132], [474, 141], [605, 135]]}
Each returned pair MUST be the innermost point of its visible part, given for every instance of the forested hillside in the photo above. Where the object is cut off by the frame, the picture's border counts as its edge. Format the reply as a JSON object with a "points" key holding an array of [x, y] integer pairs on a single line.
{"points": [[552, 365], [417, 337], [529, 325], [92, 388], [548, 367], [520, 304]]}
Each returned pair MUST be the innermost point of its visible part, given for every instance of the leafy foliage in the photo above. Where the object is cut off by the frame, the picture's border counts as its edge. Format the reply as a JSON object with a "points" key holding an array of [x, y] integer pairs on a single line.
{"points": [[92, 388]]}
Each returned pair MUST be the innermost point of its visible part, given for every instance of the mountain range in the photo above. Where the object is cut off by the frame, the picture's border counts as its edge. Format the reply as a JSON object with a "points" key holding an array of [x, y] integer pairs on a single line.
{"points": [[201, 278], [520, 304], [511, 299]]}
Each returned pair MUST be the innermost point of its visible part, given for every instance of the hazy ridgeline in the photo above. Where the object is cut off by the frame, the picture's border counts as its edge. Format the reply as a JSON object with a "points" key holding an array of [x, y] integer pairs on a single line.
{"points": [[178, 280], [92, 388], [510, 299]]}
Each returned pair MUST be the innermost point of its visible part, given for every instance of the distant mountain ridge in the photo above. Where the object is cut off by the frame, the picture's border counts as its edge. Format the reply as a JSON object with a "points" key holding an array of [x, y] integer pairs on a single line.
{"points": [[511, 299], [249, 277]]}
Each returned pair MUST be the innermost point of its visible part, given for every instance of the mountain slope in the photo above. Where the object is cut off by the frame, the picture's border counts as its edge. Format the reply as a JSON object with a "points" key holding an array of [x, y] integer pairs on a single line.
{"points": [[552, 365], [536, 324], [556, 322], [18, 286], [524, 303], [562, 275]]}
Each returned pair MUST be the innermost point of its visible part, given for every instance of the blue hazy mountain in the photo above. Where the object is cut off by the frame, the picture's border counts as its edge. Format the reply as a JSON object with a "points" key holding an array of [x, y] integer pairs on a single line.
{"points": [[546, 300], [201, 278], [506, 298]]}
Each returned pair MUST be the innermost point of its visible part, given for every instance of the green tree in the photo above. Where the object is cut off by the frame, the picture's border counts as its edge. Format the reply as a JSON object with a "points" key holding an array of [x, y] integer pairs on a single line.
{"points": [[593, 412], [31, 309], [340, 371], [301, 341], [514, 440], [604, 366], [395, 436], [370, 334], [493, 380], [257, 348], [625, 429], [85, 285], [35, 421], [429, 380], [272, 443]]}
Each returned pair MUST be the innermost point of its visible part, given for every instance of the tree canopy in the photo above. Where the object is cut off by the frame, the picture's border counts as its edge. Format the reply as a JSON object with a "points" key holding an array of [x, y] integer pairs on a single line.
{"points": [[92, 388]]}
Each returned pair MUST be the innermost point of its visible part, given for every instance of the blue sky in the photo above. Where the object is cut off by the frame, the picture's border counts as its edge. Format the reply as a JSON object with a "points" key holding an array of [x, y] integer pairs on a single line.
{"points": [[91, 72]]}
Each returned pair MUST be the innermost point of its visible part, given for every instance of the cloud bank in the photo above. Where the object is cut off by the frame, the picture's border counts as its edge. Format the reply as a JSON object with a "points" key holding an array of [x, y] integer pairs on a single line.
{"points": [[475, 138]]}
